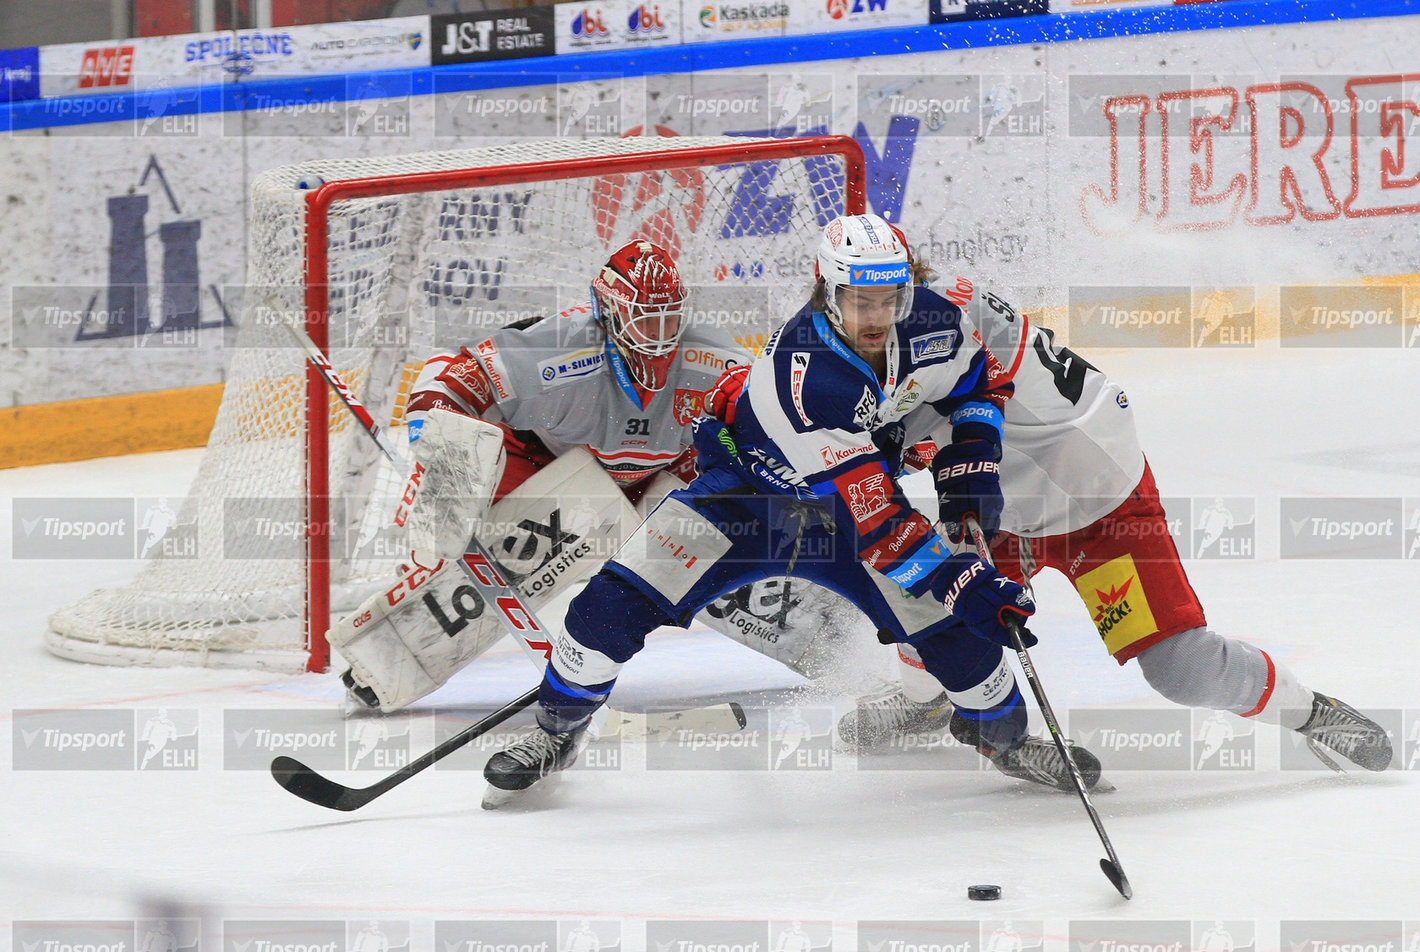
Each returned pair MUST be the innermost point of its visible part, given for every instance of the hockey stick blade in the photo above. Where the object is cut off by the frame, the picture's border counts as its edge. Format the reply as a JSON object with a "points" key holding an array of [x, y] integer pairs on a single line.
{"points": [[1116, 876], [312, 787]]}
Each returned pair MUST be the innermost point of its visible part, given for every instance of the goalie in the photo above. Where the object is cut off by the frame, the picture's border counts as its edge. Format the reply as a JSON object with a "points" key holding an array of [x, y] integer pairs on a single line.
{"points": [[541, 438]]}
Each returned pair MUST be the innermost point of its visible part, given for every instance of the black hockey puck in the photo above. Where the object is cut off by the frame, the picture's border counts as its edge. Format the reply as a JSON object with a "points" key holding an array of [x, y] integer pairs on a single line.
{"points": [[983, 892]]}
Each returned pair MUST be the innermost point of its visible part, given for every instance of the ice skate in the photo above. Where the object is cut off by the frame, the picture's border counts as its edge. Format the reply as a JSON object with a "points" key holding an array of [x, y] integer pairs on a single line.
{"points": [[535, 755], [1347, 731], [359, 700], [1031, 758], [891, 713]]}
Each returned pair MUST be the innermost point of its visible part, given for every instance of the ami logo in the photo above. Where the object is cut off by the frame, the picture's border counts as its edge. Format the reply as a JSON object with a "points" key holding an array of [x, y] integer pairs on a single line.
{"points": [[106, 66]]}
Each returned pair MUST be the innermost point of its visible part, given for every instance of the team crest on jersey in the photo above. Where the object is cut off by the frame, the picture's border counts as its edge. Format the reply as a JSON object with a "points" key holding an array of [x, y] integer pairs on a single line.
{"points": [[868, 495], [797, 373], [494, 367], [582, 363], [941, 345], [687, 405]]}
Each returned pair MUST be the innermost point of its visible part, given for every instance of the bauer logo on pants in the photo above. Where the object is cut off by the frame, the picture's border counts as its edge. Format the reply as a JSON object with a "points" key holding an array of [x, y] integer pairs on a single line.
{"points": [[1117, 603]]}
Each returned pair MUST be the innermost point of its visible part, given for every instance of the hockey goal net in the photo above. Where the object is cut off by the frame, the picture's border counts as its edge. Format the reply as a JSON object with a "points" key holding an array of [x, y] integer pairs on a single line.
{"points": [[384, 261]]}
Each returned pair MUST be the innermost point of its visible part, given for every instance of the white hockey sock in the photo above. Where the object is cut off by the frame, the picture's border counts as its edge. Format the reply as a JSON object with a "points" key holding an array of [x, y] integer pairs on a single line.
{"points": [[917, 683]]}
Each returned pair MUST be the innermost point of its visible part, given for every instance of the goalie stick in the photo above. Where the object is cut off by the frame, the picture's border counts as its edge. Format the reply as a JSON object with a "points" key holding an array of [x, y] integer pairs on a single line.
{"points": [[1110, 865]]}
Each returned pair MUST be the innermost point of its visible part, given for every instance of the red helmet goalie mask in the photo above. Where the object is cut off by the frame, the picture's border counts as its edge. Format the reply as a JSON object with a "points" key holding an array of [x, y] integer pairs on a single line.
{"points": [[639, 299]]}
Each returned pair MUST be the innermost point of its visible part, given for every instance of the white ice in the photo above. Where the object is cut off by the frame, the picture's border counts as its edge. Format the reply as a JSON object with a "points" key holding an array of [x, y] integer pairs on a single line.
{"points": [[1259, 846]]}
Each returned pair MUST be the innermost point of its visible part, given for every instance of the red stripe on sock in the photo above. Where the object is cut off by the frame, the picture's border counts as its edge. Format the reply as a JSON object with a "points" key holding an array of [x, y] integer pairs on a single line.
{"points": [[1267, 691], [910, 662]]}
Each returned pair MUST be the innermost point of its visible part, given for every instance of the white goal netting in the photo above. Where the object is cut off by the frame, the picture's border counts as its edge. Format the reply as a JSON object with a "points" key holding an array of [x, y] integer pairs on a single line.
{"points": [[409, 274]]}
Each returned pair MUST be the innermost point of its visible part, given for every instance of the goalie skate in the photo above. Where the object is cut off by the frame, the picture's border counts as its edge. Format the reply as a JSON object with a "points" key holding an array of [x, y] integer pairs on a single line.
{"points": [[1347, 731], [359, 700], [1031, 758], [535, 755], [881, 717]]}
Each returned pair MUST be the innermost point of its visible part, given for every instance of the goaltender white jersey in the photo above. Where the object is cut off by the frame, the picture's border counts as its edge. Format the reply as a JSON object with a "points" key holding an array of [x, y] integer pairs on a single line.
{"points": [[561, 379], [1070, 453]]}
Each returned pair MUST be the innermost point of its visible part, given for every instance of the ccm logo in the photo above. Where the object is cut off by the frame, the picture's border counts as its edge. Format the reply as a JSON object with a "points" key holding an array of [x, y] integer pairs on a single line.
{"points": [[363, 619]]}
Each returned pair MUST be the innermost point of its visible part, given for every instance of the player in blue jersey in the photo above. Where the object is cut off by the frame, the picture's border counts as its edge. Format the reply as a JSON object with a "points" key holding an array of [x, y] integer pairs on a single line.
{"points": [[803, 483]]}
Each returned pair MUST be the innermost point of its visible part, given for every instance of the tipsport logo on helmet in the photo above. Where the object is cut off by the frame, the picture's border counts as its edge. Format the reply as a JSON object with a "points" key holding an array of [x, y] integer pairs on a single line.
{"points": [[870, 275]]}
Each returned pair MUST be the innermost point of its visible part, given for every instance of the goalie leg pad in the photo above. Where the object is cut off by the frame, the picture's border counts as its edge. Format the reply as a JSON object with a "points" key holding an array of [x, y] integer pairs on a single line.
{"points": [[550, 533], [408, 640]]}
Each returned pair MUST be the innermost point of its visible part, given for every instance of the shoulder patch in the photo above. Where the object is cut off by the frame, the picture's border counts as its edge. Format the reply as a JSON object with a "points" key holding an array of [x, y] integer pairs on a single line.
{"points": [[564, 367], [939, 345]]}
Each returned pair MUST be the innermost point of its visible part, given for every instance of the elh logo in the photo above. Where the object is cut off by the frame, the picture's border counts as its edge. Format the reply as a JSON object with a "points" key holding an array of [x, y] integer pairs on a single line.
{"points": [[1224, 528], [1218, 935], [377, 935], [1224, 317], [1223, 741], [167, 739]]}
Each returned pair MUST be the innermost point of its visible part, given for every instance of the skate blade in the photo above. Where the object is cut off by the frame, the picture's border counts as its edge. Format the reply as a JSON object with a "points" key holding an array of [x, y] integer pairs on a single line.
{"points": [[495, 797]]}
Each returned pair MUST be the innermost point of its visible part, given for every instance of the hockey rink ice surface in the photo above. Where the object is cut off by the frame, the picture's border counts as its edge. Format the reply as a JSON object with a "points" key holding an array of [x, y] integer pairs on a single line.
{"points": [[829, 840]]}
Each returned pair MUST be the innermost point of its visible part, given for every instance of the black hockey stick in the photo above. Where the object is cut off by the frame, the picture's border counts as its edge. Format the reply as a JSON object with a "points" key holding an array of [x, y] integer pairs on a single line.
{"points": [[324, 792], [1109, 865]]}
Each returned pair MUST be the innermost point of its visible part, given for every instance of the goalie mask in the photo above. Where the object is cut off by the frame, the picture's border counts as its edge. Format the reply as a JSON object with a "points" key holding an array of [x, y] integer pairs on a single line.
{"points": [[639, 297], [863, 251]]}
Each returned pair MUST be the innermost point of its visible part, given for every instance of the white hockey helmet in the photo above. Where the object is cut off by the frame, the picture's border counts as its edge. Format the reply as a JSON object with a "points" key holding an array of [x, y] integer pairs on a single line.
{"points": [[863, 251]]}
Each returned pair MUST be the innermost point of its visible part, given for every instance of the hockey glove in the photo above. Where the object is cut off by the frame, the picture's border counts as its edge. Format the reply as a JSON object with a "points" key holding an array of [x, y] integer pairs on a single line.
{"points": [[984, 600], [720, 398], [968, 480]]}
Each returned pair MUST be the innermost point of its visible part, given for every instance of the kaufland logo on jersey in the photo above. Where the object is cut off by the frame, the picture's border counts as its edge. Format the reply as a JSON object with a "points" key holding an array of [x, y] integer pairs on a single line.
{"points": [[646, 20], [873, 274], [106, 66], [590, 23]]}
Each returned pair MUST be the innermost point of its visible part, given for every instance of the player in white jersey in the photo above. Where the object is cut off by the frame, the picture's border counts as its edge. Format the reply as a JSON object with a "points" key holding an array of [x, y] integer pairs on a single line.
{"points": [[803, 483], [539, 437], [1079, 497]]}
